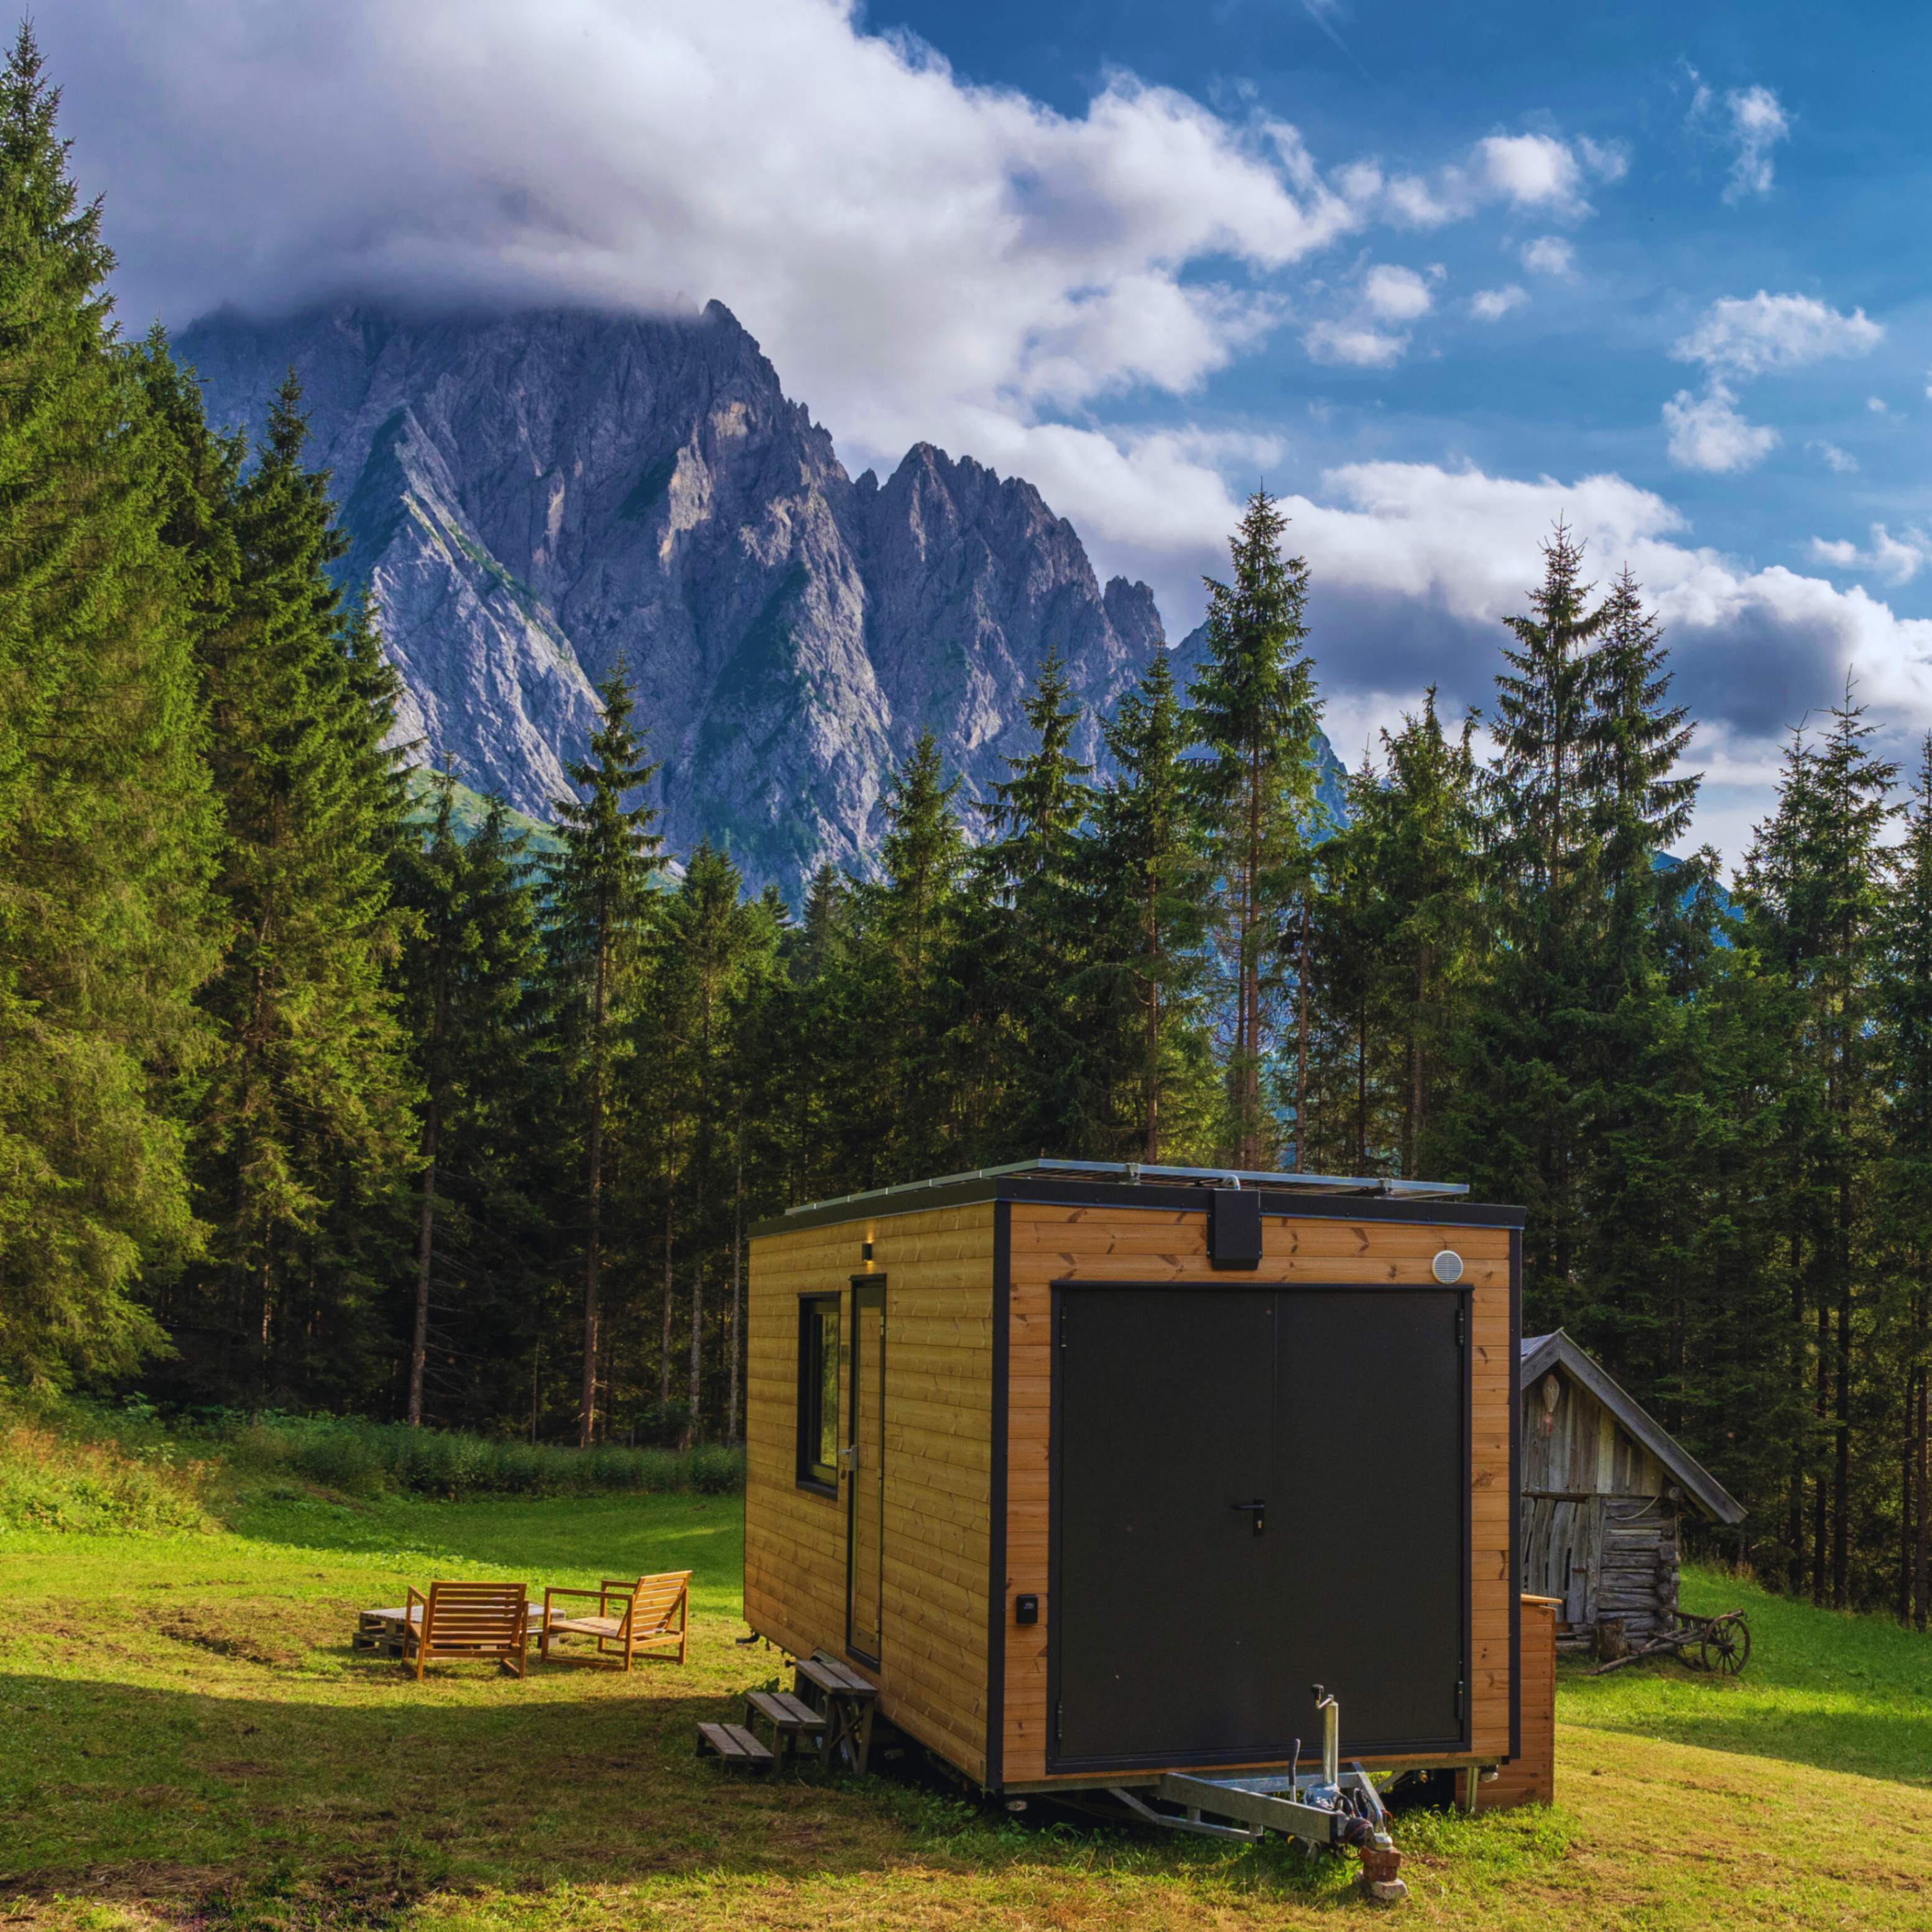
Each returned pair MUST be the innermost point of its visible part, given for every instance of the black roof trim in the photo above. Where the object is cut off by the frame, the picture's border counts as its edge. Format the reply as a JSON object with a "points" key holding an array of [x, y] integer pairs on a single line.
{"points": [[1450, 1212]]}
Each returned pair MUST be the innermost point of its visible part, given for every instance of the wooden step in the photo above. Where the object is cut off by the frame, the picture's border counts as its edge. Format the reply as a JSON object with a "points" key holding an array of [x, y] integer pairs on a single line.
{"points": [[733, 1744], [783, 1711]]}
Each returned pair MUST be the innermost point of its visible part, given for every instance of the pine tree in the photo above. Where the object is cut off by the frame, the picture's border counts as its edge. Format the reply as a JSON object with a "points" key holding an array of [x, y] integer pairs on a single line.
{"points": [[1812, 887], [600, 908], [911, 918], [106, 830], [1028, 946], [1904, 1182], [1148, 881], [1254, 711], [1520, 1119], [306, 1118]]}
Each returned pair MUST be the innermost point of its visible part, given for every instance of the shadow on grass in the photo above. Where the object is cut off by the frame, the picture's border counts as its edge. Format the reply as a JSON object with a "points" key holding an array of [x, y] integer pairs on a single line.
{"points": [[220, 1806]]}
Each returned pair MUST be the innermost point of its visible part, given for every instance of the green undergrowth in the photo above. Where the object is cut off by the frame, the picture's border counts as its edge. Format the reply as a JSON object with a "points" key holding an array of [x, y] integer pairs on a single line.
{"points": [[72, 1465]]}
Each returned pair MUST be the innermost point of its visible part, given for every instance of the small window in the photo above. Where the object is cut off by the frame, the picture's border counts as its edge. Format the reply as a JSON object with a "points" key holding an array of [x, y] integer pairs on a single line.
{"points": [[818, 1392]]}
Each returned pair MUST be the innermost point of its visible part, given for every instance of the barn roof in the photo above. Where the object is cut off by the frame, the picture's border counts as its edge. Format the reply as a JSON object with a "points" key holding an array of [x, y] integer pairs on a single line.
{"points": [[1542, 1353]]}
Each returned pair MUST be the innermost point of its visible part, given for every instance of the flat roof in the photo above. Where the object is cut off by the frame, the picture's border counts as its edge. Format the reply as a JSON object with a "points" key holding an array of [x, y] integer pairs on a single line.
{"points": [[1133, 1173]]}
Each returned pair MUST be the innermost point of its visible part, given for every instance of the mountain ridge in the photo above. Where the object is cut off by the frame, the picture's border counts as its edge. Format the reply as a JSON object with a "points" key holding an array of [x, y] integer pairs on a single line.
{"points": [[534, 498]]}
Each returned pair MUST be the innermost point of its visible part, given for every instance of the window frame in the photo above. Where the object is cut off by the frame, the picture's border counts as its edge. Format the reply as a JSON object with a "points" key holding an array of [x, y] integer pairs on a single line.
{"points": [[820, 1478]]}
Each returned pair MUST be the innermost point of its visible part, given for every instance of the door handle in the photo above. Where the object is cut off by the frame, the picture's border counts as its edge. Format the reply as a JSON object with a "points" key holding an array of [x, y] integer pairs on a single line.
{"points": [[1258, 1510]]}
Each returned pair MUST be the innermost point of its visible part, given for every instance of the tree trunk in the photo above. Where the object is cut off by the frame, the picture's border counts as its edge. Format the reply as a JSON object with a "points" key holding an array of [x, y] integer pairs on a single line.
{"points": [[670, 1291], [1301, 1043], [737, 1270], [1841, 1419], [1820, 1501], [1151, 1034], [425, 1247], [1921, 1584], [587, 1405]]}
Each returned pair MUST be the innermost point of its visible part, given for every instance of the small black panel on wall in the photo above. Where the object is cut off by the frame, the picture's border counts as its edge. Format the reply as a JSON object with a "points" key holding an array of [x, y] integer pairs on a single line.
{"points": [[1234, 1228]]}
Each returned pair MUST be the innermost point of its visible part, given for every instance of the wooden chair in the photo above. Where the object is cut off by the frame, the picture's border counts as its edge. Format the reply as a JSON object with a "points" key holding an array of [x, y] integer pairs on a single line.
{"points": [[651, 1613], [467, 1621]]}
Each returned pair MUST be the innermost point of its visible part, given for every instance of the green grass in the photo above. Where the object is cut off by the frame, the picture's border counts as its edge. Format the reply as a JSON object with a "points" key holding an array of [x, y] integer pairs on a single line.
{"points": [[186, 1740], [1848, 1693]]}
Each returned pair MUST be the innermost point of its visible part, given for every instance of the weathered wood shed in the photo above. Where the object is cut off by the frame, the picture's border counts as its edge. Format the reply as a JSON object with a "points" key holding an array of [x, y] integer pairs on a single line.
{"points": [[1603, 1486], [1094, 1470]]}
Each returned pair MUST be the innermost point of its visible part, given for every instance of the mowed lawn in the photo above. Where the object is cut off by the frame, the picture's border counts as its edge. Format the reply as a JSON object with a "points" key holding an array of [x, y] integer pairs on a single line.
{"points": [[185, 1737]]}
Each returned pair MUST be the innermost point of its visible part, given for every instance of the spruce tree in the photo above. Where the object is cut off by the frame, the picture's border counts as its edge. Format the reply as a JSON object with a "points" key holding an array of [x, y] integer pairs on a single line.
{"points": [[1149, 886], [106, 830], [1254, 714], [600, 893], [911, 916], [306, 1118], [1028, 947], [1904, 1181]]}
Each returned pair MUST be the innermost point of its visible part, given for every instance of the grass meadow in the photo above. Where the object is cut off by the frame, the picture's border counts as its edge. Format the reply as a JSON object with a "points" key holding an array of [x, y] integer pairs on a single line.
{"points": [[186, 1739]]}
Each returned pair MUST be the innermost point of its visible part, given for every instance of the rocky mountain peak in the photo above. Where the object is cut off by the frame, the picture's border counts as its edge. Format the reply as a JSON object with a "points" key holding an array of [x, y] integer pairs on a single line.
{"points": [[531, 496]]}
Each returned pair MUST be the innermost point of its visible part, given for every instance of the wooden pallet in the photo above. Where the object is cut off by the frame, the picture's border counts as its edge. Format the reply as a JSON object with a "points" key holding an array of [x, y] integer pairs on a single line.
{"points": [[732, 1745]]}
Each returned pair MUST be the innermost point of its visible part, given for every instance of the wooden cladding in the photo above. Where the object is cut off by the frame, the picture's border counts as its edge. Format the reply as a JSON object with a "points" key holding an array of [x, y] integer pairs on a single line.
{"points": [[957, 1669], [930, 1596]]}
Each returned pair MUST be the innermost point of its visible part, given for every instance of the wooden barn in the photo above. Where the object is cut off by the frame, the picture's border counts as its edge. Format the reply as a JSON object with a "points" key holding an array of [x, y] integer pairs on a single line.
{"points": [[1094, 1470], [1604, 1487]]}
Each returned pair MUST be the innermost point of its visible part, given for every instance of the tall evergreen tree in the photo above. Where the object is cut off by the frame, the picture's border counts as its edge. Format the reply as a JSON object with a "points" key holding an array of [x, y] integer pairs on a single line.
{"points": [[1149, 886], [600, 907], [1905, 1184], [468, 975], [1027, 953], [308, 1103], [911, 919], [1255, 713], [106, 830]]}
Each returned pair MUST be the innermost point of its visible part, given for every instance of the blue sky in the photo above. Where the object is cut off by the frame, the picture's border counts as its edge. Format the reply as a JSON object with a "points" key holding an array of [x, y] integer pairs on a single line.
{"points": [[1439, 273]]}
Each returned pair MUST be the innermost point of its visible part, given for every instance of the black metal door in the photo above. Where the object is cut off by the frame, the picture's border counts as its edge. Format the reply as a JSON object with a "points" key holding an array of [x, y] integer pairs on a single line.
{"points": [[1164, 1605], [1178, 1634], [1374, 1483]]}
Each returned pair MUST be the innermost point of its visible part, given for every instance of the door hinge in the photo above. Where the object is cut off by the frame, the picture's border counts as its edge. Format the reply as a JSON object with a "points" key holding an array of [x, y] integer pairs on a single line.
{"points": [[1462, 1699], [1059, 1713], [1461, 1325]]}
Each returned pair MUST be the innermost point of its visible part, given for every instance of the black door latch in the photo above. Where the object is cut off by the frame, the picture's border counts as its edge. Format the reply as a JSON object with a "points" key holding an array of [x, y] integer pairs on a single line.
{"points": [[1258, 1510]]}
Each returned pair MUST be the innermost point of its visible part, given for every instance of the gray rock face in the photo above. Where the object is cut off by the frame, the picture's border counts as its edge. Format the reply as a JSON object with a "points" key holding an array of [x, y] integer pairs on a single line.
{"points": [[534, 497]]}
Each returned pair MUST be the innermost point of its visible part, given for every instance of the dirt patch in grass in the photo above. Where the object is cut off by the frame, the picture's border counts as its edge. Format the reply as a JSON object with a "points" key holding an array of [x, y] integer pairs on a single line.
{"points": [[222, 1637]]}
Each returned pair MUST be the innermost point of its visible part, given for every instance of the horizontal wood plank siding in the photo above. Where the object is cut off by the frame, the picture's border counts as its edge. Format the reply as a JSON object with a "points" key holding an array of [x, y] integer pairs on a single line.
{"points": [[1050, 1243], [938, 1267]]}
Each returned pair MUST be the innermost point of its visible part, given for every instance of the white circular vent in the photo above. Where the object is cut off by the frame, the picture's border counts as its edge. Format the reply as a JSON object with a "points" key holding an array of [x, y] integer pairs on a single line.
{"points": [[1447, 1267]]}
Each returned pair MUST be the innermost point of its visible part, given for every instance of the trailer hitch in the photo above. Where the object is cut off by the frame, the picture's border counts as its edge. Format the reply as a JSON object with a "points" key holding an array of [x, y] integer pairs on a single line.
{"points": [[1332, 1810]]}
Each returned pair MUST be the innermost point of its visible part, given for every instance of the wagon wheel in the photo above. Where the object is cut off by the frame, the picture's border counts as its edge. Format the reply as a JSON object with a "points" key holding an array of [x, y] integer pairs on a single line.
{"points": [[1725, 1647]]}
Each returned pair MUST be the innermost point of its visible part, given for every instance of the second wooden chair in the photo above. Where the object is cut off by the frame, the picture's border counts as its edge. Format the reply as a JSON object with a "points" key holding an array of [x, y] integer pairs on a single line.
{"points": [[650, 1613]]}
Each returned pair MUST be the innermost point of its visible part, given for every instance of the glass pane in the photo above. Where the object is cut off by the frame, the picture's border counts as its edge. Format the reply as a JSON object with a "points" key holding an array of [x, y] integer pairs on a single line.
{"points": [[828, 1386]]}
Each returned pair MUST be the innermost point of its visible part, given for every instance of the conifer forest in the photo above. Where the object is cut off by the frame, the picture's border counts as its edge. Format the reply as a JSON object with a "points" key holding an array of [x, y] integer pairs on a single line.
{"points": [[321, 1090]]}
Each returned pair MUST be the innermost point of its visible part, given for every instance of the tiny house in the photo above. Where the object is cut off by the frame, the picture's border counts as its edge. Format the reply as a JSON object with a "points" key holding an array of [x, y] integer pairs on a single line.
{"points": [[1094, 1470], [1604, 1486]]}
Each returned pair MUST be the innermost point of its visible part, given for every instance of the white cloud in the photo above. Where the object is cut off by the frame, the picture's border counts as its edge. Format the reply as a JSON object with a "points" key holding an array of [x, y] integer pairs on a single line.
{"points": [[1708, 432], [1758, 123], [1395, 294], [1841, 460], [918, 255], [1532, 171], [1549, 255], [1753, 335], [1877, 405], [1898, 559], [1360, 344], [1492, 305]]}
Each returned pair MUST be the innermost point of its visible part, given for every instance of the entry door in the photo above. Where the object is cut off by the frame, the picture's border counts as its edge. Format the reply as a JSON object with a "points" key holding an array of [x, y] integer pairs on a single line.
{"points": [[1181, 1634], [865, 1486], [1165, 1610]]}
